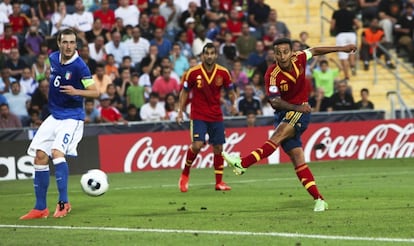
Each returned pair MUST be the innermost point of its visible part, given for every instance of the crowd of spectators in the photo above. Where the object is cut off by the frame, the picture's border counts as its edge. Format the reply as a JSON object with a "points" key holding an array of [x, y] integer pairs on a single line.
{"points": [[138, 52]]}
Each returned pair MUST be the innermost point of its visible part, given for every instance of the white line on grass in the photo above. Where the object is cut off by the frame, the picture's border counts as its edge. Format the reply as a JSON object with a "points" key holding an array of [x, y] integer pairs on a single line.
{"points": [[238, 233]]}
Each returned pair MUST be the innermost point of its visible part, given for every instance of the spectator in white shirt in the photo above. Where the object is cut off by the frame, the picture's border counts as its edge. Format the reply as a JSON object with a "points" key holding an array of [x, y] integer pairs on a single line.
{"points": [[97, 49], [200, 41], [84, 19], [3, 21], [128, 13], [117, 48], [61, 19], [171, 13], [6, 7], [152, 110], [138, 47]]}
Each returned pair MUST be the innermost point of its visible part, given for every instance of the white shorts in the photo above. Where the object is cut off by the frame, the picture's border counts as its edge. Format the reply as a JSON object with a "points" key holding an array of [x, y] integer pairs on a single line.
{"points": [[345, 38], [62, 135]]}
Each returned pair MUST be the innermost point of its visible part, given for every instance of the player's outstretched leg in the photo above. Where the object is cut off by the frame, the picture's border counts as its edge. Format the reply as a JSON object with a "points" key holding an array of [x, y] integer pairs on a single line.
{"points": [[185, 174], [41, 184], [62, 174], [306, 178], [234, 161], [240, 165]]}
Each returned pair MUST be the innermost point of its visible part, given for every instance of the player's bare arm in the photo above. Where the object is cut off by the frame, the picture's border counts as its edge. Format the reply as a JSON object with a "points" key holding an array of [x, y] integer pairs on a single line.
{"points": [[280, 104], [322, 50], [182, 99]]}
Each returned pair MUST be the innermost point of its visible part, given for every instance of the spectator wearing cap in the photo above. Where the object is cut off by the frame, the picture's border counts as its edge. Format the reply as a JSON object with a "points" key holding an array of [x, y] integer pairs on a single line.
{"points": [[7, 118], [193, 11], [189, 30], [108, 112]]}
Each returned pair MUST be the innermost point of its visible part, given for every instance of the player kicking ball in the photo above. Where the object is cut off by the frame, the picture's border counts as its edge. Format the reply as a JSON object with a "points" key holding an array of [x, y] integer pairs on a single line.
{"points": [[205, 81], [60, 133], [288, 93]]}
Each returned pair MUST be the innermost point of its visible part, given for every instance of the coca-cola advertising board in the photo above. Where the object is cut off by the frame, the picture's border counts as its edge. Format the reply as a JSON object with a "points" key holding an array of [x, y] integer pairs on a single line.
{"points": [[322, 141]]}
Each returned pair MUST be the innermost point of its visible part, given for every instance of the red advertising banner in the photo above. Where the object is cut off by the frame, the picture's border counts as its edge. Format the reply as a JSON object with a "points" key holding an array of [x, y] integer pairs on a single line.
{"points": [[322, 141]]}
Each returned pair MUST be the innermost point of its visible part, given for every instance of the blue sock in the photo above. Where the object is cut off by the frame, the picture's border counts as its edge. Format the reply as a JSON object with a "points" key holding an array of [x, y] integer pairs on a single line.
{"points": [[41, 184], [62, 173]]}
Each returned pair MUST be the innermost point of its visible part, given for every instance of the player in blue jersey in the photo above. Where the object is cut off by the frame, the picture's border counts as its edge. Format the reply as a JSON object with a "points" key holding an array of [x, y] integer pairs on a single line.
{"points": [[60, 133]]}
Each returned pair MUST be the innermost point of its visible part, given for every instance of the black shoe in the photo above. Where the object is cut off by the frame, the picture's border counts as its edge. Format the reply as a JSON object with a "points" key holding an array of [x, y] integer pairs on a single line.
{"points": [[366, 66]]}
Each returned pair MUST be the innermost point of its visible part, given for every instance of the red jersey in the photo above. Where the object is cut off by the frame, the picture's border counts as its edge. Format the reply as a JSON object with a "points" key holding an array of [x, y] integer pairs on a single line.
{"points": [[19, 23], [291, 86], [7, 44], [206, 87], [110, 113], [107, 18]]}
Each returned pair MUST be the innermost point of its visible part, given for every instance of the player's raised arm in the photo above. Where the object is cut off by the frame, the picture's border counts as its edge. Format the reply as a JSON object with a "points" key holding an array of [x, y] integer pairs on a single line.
{"points": [[322, 50]]}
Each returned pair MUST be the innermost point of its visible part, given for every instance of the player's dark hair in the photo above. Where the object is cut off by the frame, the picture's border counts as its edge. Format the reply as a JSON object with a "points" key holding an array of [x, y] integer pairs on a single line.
{"points": [[364, 90], [283, 41], [67, 31], [209, 46]]}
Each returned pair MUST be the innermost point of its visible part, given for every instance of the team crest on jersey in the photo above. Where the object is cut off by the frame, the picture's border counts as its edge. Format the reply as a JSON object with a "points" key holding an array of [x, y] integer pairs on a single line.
{"points": [[68, 75], [219, 81]]}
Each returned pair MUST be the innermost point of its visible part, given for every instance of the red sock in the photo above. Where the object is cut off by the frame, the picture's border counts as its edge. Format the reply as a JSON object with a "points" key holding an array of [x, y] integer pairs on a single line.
{"points": [[218, 167], [256, 155], [189, 161], [306, 178]]}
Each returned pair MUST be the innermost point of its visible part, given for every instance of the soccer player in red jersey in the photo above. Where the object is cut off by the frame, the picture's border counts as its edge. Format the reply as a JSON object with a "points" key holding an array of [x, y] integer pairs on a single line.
{"points": [[288, 93], [205, 82]]}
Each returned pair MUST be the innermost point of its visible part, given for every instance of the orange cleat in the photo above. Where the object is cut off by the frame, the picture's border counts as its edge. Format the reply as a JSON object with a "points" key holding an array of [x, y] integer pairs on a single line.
{"points": [[183, 183], [62, 209], [36, 214], [222, 186]]}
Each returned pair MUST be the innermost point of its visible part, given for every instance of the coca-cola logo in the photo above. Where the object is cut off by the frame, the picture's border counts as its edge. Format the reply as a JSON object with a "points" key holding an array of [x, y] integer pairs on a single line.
{"points": [[383, 141], [143, 155]]}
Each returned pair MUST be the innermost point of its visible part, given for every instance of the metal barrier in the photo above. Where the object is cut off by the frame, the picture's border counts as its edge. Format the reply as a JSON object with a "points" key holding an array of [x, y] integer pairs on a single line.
{"points": [[324, 18], [403, 106]]}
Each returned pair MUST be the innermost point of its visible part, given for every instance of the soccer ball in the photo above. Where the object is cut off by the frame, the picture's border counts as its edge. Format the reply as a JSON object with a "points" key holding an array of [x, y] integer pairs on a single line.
{"points": [[94, 182]]}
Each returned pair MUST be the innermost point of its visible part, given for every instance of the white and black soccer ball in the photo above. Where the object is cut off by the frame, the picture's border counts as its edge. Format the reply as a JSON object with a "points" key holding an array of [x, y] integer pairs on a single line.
{"points": [[94, 182]]}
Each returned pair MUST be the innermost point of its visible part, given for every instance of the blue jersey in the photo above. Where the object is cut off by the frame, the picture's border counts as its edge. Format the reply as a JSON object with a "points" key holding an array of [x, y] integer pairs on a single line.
{"points": [[75, 73]]}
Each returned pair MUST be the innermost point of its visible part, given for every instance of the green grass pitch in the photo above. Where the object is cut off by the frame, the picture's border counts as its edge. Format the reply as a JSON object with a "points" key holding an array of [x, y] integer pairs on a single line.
{"points": [[371, 202]]}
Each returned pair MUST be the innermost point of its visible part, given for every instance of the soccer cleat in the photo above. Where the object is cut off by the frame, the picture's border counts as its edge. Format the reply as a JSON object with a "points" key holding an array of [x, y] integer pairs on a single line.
{"points": [[320, 205], [36, 214], [183, 183], [222, 186], [62, 209], [235, 162]]}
